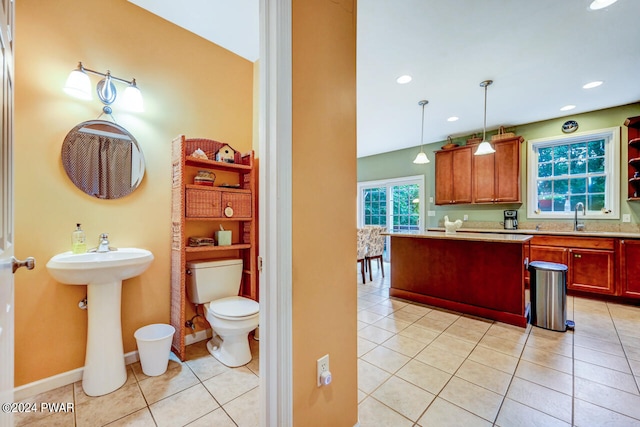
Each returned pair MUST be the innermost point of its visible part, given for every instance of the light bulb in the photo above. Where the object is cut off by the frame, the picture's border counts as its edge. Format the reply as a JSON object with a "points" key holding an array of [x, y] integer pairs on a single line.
{"points": [[78, 85]]}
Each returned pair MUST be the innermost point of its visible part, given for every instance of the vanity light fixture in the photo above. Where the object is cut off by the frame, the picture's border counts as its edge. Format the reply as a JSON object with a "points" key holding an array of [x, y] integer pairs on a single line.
{"points": [[484, 147], [79, 85], [422, 158]]}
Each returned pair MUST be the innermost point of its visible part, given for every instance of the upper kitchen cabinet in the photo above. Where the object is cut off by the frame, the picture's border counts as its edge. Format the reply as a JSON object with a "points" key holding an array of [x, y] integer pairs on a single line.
{"points": [[496, 177], [453, 176]]}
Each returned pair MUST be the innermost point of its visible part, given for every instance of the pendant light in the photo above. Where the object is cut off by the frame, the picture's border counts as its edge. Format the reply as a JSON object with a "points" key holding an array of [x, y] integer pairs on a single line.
{"points": [[485, 147], [422, 158]]}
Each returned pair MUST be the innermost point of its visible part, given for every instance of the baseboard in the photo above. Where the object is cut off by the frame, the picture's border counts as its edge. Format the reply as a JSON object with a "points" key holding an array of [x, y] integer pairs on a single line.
{"points": [[198, 336], [41, 386]]}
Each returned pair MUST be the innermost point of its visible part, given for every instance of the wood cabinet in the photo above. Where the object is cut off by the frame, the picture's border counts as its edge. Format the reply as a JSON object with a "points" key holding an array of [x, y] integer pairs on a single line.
{"points": [[590, 261], [633, 151], [453, 176], [199, 211], [629, 268], [496, 177]]}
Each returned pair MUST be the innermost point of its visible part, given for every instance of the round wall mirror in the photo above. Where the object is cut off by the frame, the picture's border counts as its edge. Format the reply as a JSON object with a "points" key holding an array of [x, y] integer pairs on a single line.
{"points": [[103, 159]]}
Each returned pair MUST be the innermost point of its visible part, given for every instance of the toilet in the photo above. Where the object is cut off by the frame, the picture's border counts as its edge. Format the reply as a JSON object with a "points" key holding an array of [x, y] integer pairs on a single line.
{"points": [[215, 283]]}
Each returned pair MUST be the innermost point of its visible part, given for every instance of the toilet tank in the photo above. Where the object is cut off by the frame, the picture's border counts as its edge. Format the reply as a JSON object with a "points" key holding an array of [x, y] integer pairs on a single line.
{"points": [[209, 280]]}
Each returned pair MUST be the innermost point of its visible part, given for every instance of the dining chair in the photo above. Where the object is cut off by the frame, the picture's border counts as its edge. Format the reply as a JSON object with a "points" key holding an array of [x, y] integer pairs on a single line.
{"points": [[363, 239], [375, 248]]}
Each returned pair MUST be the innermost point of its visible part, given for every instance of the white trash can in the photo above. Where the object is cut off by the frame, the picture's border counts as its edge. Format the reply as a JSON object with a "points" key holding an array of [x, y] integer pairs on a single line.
{"points": [[154, 347]]}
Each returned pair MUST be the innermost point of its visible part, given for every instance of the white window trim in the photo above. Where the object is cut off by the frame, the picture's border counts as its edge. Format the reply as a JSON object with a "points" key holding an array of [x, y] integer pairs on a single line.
{"points": [[612, 166], [392, 182]]}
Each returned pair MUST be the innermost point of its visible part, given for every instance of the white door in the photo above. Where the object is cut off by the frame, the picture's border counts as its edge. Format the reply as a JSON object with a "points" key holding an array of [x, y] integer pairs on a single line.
{"points": [[6, 212]]}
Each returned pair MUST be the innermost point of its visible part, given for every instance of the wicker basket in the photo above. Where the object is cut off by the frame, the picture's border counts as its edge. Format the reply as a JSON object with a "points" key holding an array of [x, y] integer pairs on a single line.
{"points": [[474, 140], [502, 134]]}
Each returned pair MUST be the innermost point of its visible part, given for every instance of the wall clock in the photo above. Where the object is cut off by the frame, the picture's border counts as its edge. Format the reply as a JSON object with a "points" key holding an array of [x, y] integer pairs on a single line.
{"points": [[570, 126]]}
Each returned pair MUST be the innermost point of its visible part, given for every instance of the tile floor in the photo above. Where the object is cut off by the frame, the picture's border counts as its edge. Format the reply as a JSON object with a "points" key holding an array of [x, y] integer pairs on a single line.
{"points": [[422, 366], [417, 366], [200, 392]]}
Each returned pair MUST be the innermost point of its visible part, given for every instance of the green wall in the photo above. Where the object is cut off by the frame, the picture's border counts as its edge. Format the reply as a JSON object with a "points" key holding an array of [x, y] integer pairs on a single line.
{"points": [[399, 163]]}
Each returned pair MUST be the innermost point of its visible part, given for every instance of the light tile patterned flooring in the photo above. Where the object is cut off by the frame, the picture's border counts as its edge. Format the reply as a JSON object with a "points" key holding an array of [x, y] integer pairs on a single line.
{"points": [[417, 366], [422, 366], [199, 392]]}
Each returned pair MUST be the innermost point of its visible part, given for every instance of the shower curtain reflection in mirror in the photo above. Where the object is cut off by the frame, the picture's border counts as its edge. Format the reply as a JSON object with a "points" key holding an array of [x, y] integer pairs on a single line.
{"points": [[102, 160]]}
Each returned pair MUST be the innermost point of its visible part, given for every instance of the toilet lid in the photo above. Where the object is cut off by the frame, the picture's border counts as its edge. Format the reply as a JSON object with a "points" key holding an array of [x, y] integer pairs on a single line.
{"points": [[234, 307]]}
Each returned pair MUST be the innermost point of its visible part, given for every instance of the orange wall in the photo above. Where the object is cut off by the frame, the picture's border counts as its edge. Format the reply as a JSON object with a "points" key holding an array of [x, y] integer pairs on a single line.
{"points": [[324, 217], [190, 86]]}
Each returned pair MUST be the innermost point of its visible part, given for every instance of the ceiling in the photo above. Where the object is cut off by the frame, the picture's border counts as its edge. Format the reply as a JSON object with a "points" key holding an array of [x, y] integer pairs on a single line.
{"points": [[538, 53]]}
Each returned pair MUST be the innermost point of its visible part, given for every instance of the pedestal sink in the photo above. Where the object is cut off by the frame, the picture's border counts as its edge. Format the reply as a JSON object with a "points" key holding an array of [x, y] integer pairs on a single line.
{"points": [[103, 273]]}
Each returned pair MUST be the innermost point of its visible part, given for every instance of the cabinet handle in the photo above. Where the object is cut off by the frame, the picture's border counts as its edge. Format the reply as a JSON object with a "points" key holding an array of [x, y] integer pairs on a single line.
{"points": [[577, 256]]}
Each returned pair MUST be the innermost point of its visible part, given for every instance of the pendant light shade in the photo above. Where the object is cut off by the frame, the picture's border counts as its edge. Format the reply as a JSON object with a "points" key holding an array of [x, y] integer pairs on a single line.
{"points": [[484, 147], [422, 158]]}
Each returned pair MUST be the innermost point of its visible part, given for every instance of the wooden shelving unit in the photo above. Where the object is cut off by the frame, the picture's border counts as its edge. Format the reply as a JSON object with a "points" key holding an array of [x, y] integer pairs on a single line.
{"points": [[199, 211], [633, 152]]}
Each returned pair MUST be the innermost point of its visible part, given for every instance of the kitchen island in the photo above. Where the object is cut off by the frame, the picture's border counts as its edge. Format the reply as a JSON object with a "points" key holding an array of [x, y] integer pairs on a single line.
{"points": [[472, 273]]}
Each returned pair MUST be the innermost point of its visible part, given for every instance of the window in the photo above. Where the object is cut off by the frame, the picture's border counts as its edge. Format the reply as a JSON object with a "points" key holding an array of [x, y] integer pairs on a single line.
{"points": [[581, 168], [394, 203]]}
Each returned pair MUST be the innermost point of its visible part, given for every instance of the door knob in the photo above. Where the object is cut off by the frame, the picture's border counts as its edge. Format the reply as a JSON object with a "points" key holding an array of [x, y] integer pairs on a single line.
{"points": [[30, 263]]}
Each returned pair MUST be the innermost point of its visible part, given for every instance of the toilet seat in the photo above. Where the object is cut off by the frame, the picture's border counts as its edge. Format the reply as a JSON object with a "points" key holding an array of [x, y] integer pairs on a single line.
{"points": [[233, 307]]}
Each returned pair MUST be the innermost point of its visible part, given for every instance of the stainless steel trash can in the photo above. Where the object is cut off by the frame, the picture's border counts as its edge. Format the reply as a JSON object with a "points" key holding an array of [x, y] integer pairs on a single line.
{"points": [[548, 282]]}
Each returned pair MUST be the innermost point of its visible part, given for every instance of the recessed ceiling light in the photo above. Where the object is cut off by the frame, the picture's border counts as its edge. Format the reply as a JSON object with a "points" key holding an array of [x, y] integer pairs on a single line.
{"points": [[601, 4], [568, 107], [591, 85], [453, 119], [404, 79]]}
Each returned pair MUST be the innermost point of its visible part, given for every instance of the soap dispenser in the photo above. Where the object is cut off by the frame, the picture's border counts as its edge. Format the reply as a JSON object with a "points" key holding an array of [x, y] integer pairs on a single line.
{"points": [[78, 241]]}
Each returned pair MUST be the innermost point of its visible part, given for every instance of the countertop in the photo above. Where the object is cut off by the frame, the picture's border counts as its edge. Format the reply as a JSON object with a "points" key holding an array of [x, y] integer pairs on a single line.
{"points": [[461, 235], [586, 233]]}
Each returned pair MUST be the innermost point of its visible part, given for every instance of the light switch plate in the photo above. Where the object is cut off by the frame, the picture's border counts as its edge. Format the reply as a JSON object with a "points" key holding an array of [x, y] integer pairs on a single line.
{"points": [[431, 213]]}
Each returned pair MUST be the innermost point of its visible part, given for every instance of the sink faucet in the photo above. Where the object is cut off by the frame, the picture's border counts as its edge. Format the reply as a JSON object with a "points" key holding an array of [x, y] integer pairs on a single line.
{"points": [[578, 226], [103, 246]]}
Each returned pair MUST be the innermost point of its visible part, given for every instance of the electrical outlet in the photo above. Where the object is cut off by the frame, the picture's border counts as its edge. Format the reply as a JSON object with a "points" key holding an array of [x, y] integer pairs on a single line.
{"points": [[465, 218], [323, 366], [430, 199], [431, 213], [626, 218]]}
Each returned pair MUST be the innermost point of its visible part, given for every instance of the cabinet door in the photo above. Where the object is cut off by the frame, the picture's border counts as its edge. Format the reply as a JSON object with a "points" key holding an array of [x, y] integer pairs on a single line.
{"points": [[591, 270], [444, 177], [630, 268], [203, 203], [453, 176], [484, 178], [461, 174], [507, 171]]}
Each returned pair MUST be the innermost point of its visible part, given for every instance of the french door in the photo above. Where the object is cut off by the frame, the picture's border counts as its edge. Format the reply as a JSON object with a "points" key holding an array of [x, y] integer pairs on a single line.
{"points": [[396, 204]]}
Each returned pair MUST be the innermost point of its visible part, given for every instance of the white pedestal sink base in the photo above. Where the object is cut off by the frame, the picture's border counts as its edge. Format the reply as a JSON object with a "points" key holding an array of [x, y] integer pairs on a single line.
{"points": [[104, 368]]}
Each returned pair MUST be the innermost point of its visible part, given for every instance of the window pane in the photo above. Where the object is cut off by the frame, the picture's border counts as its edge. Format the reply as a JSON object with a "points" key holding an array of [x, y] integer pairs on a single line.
{"points": [[544, 187], [596, 165], [560, 152], [578, 167], [579, 151], [578, 186], [596, 148], [597, 184], [561, 168], [561, 186], [544, 170], [545, 154], [596, 202]]}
